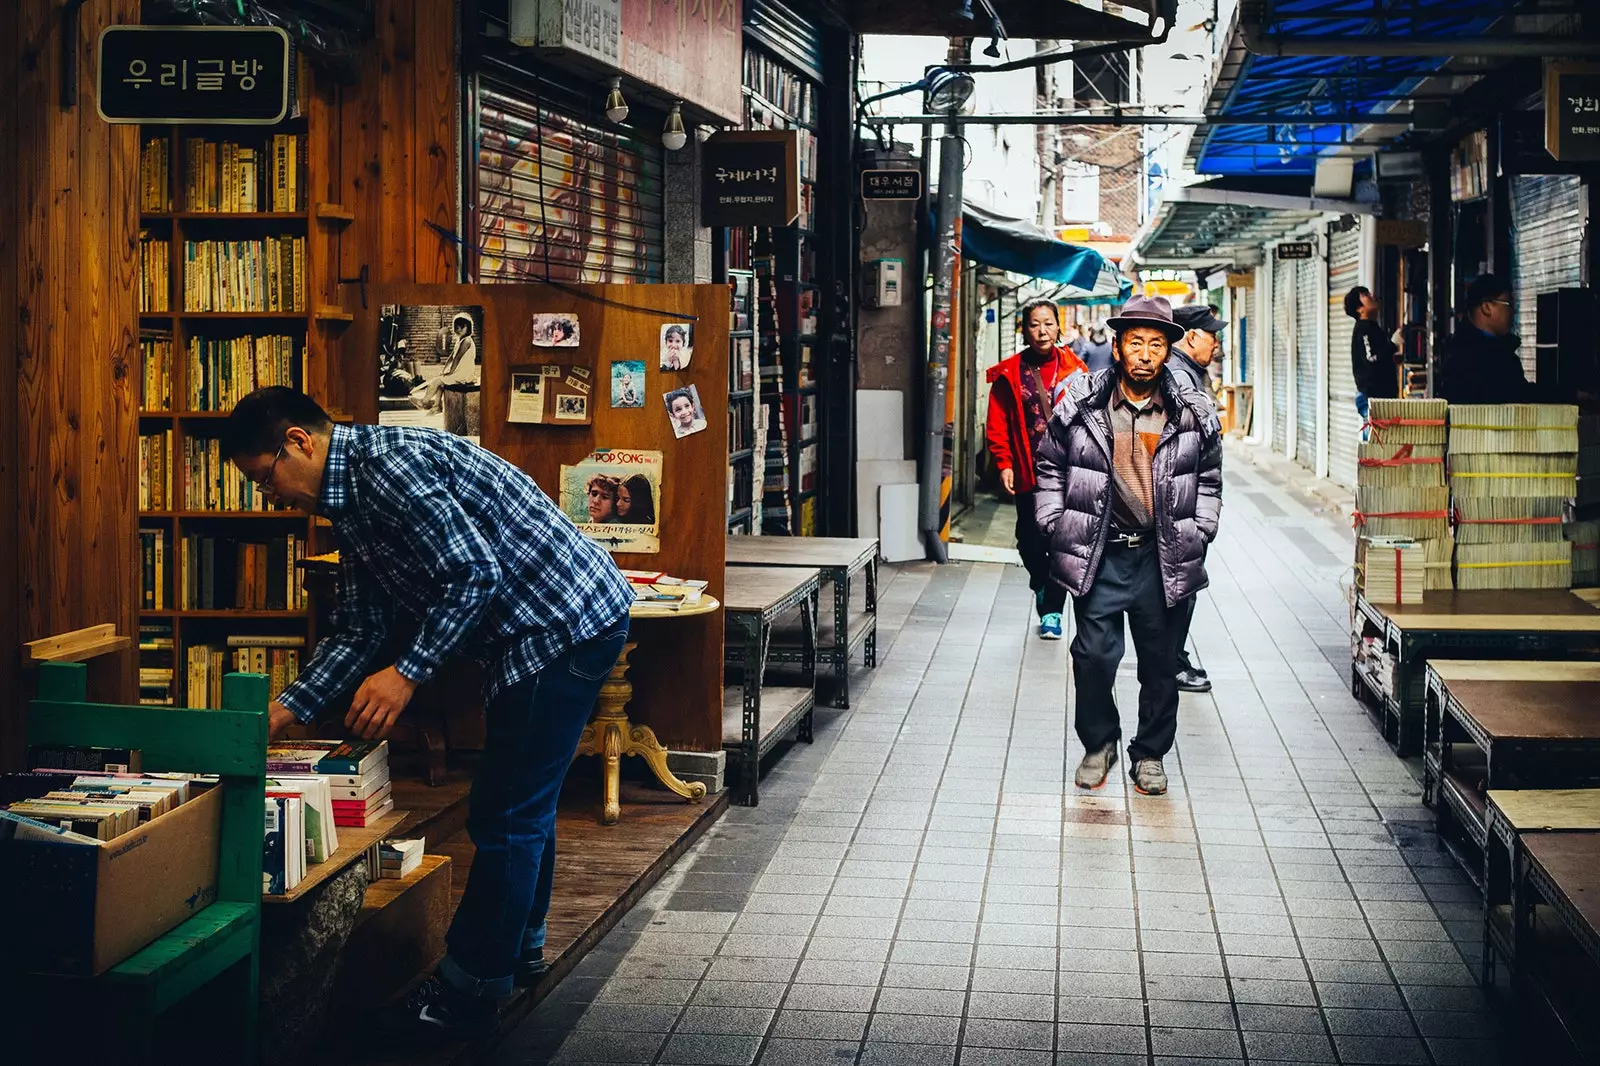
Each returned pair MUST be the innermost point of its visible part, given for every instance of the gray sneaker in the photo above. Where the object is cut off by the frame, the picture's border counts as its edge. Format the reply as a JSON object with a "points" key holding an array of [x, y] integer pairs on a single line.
{"points": [[1096, 765], [1150, 777]]}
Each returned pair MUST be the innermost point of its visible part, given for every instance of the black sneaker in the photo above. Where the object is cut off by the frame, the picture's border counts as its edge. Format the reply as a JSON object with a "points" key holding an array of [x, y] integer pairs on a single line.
{"points": [[436, 1012], [531, 967], [1192, 680]]}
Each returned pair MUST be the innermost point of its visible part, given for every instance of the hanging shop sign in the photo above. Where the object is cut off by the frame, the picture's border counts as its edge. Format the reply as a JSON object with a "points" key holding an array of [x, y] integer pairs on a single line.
{"points": [[225, 75], [750, 178], [590, 28], [898, 183], [1295, 250], [1572, 113], [1401, 233], [689, 49]]}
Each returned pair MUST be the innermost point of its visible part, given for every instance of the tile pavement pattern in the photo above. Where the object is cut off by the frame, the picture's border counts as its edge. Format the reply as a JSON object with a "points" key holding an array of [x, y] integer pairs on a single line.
{"points": [[925, 885]]}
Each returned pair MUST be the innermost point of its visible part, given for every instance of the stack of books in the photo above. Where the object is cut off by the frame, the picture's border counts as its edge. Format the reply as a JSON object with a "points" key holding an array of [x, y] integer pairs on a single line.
{"points": [[155, 272], [283, 846], [662, 591], [155, 175], [357, 772], [1392, 569], [1513, 473], [155, 366], [1400, 486], [99, 805], [1583, 527], [317, 827], [399, 858]]}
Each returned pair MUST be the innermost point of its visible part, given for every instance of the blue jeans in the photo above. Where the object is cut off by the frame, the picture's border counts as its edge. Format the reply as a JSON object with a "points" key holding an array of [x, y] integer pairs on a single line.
{"points": [[532, 730], [1362, 406]]}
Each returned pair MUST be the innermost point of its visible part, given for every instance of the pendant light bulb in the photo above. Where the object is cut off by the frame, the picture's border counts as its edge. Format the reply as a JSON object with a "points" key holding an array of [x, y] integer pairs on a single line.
{"points": [[616, 106], [673, 134]]}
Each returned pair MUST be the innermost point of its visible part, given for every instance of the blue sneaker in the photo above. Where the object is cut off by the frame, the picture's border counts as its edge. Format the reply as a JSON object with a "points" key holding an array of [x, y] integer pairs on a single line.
{"points": [[1050, 627]]}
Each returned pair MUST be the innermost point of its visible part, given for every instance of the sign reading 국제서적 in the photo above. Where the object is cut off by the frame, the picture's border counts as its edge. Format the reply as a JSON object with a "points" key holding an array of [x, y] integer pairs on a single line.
{"points": [[229, 75], [900, 183], [750, 178]]}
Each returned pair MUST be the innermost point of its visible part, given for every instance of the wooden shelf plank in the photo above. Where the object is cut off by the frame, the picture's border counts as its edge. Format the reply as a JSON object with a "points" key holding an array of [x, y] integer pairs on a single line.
{"points": [[335, 213], [76, 646], [329, 313]]}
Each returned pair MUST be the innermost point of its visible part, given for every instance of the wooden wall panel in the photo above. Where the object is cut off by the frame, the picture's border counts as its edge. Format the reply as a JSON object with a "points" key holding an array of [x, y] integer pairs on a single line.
{"points": [[438, 94], [10, 696], [677, 670]]}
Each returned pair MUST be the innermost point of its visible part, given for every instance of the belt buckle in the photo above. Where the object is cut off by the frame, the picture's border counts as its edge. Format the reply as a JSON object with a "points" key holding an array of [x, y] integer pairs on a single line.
{"points": [[1130, 540]]}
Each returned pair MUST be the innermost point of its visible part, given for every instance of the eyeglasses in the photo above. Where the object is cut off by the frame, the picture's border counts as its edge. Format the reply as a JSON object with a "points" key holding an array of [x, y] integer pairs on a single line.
{"points": [[1502, 303], [265, 483]]}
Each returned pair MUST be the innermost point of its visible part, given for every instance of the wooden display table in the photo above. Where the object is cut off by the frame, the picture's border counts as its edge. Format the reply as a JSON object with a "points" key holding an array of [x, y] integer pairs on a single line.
{"points": [[755, 717], [611, 735], [1511, 815], [839, 559], [1548, 624]]}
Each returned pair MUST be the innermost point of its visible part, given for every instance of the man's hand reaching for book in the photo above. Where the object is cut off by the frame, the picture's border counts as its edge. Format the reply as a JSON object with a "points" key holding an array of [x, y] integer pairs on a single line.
{"points": [[279, 719], [378, 703]]}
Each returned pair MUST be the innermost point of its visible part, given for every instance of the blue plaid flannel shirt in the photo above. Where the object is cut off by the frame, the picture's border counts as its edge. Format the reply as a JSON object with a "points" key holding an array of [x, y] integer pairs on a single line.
{"points": [[457, 537]]}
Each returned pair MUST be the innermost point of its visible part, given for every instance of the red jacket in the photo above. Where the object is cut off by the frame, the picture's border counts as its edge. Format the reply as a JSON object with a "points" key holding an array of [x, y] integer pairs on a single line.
{"points": [[1008, 437]]}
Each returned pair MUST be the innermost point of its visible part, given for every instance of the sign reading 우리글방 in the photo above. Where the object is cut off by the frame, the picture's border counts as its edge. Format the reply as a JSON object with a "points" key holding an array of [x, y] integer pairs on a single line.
{"points": [[899, 183], [228, 75], [750, 178], [1572, 113]]}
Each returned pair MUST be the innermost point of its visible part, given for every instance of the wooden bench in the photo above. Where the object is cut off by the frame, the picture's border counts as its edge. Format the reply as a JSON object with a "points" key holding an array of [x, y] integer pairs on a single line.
{"points": [[1505, 725], [1543, 624], [222, 941], [839, 559], [754, 716]]}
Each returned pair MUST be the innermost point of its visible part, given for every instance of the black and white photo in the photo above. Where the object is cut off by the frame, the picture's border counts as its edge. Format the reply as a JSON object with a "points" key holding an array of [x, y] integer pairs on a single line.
{"points": [[430, 366]]}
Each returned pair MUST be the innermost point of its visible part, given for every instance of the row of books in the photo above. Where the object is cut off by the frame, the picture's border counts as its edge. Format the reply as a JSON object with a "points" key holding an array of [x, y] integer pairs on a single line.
{"points": [[155, 273], [155, 175], [223, 371], [742, 368], [229, 176], [155, 370], [155, 460], [205, 665], [153, 569], [92, 805], [225, 573], [741, 426], [741, 479], [265, 275], [212, 483], [781, 85]]}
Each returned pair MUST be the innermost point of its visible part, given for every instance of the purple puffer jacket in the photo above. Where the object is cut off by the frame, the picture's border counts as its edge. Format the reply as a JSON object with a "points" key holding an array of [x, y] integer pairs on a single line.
{"points": [[1073, 500]]}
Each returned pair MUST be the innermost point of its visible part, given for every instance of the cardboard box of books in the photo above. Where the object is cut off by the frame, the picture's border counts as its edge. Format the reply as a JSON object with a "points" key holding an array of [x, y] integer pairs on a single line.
{"points": [[89, 904]]}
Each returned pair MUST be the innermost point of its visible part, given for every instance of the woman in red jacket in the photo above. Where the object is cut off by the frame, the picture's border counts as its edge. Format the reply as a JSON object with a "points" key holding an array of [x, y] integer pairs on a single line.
{"points": [[1019, 408]]}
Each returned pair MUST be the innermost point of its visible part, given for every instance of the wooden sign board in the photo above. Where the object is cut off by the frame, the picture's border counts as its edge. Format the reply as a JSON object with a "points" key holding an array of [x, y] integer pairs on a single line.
{"points": [[896, 183], [1242, 281], [225, 75], [750, 178], [1401, 233], [1572, 112], [1295, 250]]}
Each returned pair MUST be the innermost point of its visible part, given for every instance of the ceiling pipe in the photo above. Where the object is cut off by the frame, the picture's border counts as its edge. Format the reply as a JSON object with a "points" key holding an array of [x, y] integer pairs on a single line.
{"points": [[1378, 47], [1123, 118]]}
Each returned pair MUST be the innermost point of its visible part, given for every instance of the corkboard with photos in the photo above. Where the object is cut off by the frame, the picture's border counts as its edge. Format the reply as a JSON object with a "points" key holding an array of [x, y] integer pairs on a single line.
{"points": [[677, 669]]}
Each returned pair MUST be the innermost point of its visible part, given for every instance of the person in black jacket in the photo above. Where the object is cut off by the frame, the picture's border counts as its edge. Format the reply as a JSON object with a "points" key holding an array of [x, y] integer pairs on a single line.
{"points": [[1373, 354], [1479, 363]]}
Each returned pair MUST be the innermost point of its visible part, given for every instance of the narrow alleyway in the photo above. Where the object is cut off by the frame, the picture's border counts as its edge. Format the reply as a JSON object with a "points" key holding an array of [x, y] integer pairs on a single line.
{"points": [[925, 885]]}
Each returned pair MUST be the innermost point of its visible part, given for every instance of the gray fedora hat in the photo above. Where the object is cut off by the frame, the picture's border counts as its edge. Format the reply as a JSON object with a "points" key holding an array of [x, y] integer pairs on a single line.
{"points": [[1152, 312]]}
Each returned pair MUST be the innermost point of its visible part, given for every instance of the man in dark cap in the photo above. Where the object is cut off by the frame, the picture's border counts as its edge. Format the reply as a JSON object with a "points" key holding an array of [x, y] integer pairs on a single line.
{"points": [[1129, 492]]}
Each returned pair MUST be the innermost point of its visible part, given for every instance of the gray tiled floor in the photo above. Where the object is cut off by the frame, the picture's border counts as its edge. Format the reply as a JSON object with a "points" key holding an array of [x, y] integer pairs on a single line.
{"points": [[924, 884]]}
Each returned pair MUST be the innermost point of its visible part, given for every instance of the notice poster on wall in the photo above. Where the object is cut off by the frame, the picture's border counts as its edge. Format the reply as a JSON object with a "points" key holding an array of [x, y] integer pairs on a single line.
{"points": [[430, 363], [551, 394], [614, 498]]}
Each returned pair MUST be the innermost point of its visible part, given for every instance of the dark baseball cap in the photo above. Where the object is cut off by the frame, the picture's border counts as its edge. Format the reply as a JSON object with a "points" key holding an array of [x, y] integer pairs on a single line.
{"points": [[1198, 316]]}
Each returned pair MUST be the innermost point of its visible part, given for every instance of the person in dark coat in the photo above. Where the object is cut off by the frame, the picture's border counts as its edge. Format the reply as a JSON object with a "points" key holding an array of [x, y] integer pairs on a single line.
{"points": [[1129, 493], [1020, 388], [1480, 363], [1096, 353], [1373, 355], [1191, 363]]}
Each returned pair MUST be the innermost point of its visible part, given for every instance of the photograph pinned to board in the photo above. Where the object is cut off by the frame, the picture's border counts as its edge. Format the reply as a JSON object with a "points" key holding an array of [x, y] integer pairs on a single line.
{"points": [[430, 365], [684, 411], [614, 498], [627, 383], [558, 330], [554, 393], [677, 345]]}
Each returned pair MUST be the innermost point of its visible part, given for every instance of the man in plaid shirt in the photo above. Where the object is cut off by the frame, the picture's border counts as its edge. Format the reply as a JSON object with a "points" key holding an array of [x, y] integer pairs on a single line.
{"points": [[464, 544]]}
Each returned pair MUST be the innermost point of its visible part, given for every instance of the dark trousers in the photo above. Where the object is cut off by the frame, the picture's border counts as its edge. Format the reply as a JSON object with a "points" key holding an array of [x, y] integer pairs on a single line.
{"points": [[1184, 621], [1127, 584], [532, 730], [1034, 547]]}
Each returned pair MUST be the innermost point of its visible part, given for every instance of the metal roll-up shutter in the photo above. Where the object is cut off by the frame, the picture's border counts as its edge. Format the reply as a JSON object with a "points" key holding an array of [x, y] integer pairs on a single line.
{"points": [[1344, 425], [563, 194], [787, 33], [1307, 295], [1547, 230], [1278, 329]]}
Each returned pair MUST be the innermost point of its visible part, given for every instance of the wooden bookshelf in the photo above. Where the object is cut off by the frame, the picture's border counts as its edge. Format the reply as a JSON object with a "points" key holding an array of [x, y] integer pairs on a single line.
{"points": [[746, 431]]}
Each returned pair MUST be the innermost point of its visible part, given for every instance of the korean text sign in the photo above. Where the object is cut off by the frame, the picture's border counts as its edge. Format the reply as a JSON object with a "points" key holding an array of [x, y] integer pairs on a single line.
{"points": [[750, 178], [234, 75]]}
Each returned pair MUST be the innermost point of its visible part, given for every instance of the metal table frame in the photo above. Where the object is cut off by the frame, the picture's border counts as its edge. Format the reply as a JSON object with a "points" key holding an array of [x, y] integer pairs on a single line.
{"points": [[755, 627]]}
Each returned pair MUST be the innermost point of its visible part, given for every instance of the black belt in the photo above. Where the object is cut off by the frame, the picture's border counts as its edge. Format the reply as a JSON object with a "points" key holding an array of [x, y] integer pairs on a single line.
{"points": [[1122, 538]]}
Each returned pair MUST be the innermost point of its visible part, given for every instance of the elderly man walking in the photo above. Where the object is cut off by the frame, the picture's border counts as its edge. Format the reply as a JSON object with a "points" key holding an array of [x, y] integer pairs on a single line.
{"points": [[1129, 494]]}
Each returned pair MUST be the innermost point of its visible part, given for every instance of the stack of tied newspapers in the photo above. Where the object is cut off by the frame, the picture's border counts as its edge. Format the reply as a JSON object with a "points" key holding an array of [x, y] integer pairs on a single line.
{"points": [[1583, 528], [1513, 473], [1392, 569], [1400, 486]]}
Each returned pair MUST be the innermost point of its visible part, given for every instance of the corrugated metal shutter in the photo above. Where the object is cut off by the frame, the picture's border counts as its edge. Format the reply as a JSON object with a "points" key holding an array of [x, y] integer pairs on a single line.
{"points": [[1344, 425], [787, 33], [1546, 231], [1307, 295], [1281, 323], [563, 194]]}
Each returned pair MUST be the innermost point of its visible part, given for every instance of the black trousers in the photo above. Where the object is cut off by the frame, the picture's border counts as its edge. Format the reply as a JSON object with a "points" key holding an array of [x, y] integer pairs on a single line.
{"points": [[1127, 584], [1183, 632], [1035, 551]]}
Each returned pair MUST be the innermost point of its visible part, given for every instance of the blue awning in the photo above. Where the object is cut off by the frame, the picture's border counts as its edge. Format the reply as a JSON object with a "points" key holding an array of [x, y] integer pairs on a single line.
{"points": [[1020, 247]]}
